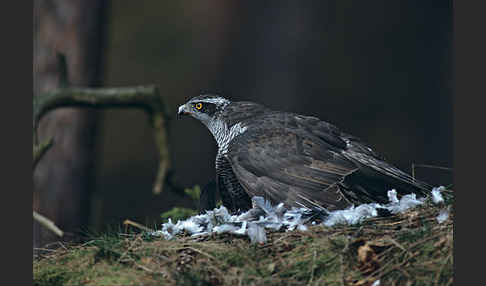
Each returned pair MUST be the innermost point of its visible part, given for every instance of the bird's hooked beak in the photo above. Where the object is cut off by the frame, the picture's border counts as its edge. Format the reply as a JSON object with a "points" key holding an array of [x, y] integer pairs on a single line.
{"points": [[183, 110]]}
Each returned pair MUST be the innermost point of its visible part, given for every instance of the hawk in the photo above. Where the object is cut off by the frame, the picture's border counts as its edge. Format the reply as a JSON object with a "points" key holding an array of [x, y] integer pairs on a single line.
{"points": [[295, 159]]}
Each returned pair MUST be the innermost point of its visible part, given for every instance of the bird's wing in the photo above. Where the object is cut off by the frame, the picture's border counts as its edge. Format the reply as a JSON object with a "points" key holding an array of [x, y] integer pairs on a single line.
{"points": [[291, 164], [375, 165]]}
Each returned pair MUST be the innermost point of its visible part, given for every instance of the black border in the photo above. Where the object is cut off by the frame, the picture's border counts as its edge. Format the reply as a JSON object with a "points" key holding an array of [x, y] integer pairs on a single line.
{"points": [[468, 78], [16, 126]]}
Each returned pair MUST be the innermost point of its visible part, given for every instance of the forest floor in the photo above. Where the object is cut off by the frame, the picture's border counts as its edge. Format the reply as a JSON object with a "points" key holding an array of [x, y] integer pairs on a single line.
{"points": [[410, 248]]}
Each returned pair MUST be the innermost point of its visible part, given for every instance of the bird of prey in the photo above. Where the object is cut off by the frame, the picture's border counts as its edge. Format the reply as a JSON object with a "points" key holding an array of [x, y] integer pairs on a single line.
{"points": [[295, 159]]}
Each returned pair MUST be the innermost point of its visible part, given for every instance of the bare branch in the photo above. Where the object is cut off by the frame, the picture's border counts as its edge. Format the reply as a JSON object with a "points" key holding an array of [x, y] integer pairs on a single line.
{"points": [[137, 225], [48, 224], [39, 150], [146, 98]]}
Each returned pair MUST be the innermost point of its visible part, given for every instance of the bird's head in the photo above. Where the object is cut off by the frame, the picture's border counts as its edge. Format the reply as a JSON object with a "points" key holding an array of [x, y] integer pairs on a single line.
{"points": [[224, 118], [205, 108]]}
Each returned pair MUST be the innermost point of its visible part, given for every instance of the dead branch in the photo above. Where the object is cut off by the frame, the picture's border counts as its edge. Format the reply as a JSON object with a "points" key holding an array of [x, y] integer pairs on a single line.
{"points": [[49, 224], [39, 150], [146, 98], [137, 225]]}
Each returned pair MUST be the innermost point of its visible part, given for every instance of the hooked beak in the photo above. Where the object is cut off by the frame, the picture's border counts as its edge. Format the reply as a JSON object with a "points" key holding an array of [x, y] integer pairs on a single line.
{"points": [[182, 111]]}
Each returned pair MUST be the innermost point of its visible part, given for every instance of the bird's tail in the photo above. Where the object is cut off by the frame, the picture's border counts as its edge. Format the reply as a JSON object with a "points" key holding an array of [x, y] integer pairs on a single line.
{"points": [[372, 185]]}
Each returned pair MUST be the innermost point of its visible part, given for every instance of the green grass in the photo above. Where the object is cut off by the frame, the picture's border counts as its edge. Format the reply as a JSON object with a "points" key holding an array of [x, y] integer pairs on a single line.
{"points": [[407, 248]]}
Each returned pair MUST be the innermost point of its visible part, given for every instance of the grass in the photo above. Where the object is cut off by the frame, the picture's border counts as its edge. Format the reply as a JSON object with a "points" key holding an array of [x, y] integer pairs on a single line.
{"points": [[406, 249]]}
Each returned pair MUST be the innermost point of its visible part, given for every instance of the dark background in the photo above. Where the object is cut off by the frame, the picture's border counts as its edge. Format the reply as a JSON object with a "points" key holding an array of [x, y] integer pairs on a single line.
{"points": [[379, 70]]}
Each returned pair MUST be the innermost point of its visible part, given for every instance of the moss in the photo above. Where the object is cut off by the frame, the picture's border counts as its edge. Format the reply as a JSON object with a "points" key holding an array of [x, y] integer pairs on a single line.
{"points": [[411, 248], [194, 193], [50, 275], [177, 214]]}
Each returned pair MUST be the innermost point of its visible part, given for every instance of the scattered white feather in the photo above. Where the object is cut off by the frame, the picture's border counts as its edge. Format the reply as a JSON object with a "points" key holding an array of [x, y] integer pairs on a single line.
{"points": [[265, 216], [190, 226], [263, 204], [256, 233], [351, 215], [242, 229], [437, 196], [392, 196], [376, 283], [293, 218], [225, 228], [405, 203], [443, 216], [354, 215]]}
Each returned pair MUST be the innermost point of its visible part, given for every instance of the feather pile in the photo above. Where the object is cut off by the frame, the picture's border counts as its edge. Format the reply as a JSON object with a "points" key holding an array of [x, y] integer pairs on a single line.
{"points": [[265, 216]]}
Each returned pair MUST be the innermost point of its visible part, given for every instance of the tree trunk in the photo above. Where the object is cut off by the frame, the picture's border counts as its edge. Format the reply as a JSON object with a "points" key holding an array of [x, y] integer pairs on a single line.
{"points": [[63, 177]]}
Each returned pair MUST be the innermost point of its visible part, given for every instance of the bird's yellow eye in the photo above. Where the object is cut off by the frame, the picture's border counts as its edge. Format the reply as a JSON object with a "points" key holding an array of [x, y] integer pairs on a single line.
{"points": [[198, 106]]}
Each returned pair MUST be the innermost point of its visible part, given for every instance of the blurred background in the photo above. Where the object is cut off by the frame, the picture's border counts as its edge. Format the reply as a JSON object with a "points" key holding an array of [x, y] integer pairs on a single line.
{"points": [[379, 70]]}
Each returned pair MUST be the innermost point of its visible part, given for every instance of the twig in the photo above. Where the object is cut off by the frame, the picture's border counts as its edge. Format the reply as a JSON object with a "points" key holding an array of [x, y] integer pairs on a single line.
{"points": [[396, 267], [282, 237], [420, 242], [199, 251], [437, 276], [137, 225], [87, 243], [427, 166], [396, 244], [62, 245], [312, 268], [39, 150], [145, 268], [343, 251], [193, 249], [45, 249], [48, 224], [130, 247]]}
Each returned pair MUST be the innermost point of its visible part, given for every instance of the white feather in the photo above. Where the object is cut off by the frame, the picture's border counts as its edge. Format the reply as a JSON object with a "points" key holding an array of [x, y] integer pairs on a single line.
{"points": [[437, 196], [265, 216]]}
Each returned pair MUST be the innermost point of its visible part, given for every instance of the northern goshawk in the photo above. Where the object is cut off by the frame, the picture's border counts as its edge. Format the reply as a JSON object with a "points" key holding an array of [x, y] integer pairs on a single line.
{"points": [[290, 158]]}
